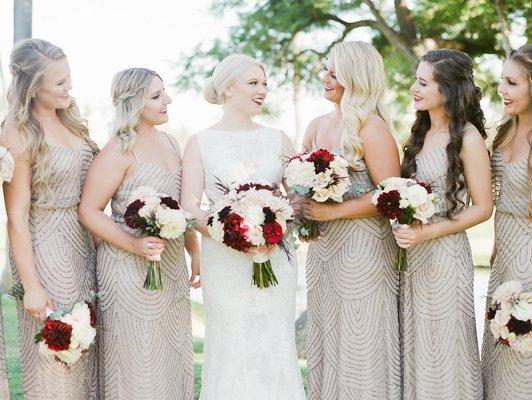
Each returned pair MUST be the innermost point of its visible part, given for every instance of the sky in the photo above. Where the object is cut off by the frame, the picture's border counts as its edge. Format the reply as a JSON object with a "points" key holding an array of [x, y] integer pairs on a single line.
{"points": [[101, 37]]}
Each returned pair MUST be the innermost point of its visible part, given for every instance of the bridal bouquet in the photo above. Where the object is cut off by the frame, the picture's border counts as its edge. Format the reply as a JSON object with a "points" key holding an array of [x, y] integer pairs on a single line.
{"points": [[252, 215], [510, 316], [7, 165], [68, 332], [156, 214], [321, 176], [405, 201]]}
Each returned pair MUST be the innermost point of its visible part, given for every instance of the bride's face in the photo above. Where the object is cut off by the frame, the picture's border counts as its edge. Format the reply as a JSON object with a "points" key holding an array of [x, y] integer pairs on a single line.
{"points": [[248, 91]]}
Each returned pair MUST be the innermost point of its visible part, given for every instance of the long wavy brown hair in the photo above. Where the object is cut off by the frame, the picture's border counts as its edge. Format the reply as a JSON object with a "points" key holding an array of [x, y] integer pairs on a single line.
{"points": [[453, 71], [506, 130]]}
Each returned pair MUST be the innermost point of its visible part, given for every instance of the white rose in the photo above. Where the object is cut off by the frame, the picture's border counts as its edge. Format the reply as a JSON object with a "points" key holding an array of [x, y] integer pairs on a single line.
{"points": [[300, 174], [145, 211], [255, 235], [85, 335], [69, 356], [321, 195], [424, 211], [216, 230], [523, 308], [507, 291], [255, 215], [524, 344], [417, 195]]}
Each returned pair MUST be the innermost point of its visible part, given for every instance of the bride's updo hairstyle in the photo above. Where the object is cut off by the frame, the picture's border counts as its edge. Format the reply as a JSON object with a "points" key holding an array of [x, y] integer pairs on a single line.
{"points": [[224, 74]]}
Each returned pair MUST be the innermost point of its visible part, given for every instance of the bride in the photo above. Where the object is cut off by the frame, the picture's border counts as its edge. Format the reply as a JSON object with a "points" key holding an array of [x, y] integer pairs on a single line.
{"points": [[249, 348]]}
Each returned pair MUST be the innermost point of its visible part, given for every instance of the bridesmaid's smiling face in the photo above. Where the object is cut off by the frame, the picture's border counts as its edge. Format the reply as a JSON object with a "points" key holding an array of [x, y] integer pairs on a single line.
{"points": [[332, 90], [55, 85], [425, 89], [248, 90], [155, 108], [515, 89]]}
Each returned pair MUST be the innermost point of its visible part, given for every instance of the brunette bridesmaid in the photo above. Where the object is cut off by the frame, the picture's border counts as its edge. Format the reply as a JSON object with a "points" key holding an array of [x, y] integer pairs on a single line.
{"points": [[508, 373], [146, 340], [446, 150], [49, 251]]}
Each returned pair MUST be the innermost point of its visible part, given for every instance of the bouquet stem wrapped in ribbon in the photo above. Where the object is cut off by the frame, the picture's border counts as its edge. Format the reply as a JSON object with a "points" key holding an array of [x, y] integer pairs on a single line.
{"points": [[251, 216], [159, 215], [405, 202], [321, 176]]}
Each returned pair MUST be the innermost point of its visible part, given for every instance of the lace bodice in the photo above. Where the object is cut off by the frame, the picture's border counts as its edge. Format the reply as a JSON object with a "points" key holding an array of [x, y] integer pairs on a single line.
{"points": [[239, 157]]}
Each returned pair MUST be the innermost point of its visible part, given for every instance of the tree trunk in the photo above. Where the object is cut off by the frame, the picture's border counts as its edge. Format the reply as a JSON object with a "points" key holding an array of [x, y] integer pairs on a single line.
{"points": [[22, 19]]}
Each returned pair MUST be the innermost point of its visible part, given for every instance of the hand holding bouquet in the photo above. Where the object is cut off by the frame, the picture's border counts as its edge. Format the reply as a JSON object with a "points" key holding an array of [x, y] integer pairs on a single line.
{"points": [[159, 215], [67, 332], [321, 176], [405, 201], [510, 316], [252, 216]]}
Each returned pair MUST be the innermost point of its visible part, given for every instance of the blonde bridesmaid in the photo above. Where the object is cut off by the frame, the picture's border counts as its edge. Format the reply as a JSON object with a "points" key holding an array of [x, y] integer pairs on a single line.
{"points": [[146, 340], [446, 150], [353, 338], [49, 251], [508, 373]]}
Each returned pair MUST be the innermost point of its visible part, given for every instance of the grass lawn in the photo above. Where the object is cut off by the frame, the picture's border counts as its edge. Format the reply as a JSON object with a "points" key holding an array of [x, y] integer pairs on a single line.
{"points": [[13, 361]]}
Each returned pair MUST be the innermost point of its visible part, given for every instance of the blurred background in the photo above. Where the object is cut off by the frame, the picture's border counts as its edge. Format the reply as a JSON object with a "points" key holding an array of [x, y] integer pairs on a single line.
{"points": [[183, 41]]}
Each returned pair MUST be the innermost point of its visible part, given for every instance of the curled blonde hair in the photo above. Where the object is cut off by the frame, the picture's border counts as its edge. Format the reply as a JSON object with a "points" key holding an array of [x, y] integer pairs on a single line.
{"points": [[29, 60], [128, 92], [224, 73], [360, 71]]}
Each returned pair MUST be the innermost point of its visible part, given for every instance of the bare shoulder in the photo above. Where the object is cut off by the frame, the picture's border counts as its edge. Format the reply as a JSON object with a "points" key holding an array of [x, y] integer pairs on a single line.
{"points": [[472, 137], [112, 151], [375, 129]]}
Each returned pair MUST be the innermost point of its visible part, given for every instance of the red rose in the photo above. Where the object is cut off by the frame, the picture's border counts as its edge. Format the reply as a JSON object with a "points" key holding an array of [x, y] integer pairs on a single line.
{"points": [[273, 233], [321, 159], [56, 335], [388, 204], [93, 313], [170, 203], [131, 215]]}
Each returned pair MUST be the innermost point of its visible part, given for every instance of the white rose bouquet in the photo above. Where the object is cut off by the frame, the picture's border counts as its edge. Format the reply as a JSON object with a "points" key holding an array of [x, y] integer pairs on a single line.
{"points": [[405, 201], [159, 215], [321, 176], [510, 316]]}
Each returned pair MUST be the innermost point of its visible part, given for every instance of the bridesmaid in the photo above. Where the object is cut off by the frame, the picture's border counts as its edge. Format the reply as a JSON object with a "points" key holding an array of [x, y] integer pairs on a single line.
{"points": [[50, 252], [146, 342], [446, 150], [507, 373], [353, 339]]}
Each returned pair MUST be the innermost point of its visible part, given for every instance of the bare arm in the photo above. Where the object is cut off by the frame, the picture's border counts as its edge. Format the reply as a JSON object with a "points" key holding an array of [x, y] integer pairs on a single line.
{"points": [[381, 157], [193, 250], [477, 173], [17, 196], [193, 184], [105, 175]]}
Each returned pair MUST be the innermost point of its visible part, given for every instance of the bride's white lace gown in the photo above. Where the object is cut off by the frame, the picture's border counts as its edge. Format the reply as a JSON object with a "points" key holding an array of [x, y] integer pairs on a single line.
{"points": [[249, 348]]}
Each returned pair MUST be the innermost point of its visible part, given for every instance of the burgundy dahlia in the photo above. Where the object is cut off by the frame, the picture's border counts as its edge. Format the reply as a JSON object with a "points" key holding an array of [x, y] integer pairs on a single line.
{"points": [[273, 233], [92, 312], [170, 203], [427, 187], [131, 216], [321, 159], [56, 335], [235, 233], [519, 327], [388, 204], [491, 313]]}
